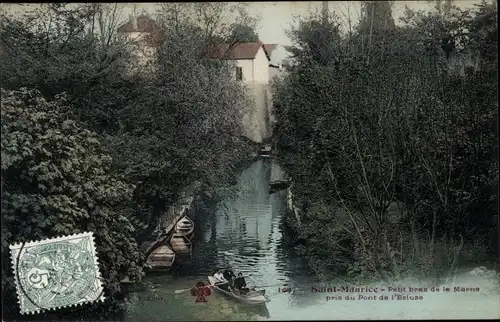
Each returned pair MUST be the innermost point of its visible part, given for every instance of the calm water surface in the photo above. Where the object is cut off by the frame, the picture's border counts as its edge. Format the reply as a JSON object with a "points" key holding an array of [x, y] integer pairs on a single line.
{"points": [[243, 231]]}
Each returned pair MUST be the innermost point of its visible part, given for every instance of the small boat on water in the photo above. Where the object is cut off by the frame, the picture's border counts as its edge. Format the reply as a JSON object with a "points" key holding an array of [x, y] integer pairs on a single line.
{"points": [[180, 244], [279, 185], [252, 297], [185, 227], [265, 151], [162, 257]]}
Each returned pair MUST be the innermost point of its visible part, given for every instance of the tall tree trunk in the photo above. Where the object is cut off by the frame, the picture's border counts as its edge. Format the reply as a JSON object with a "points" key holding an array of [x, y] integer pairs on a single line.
{"points": [[325, 13]]}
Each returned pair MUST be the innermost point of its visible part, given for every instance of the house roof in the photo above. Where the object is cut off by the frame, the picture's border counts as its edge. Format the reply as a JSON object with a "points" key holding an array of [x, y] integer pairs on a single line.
{"points": [[152, 33], [238, 51], [144, 24], [270, 48]]}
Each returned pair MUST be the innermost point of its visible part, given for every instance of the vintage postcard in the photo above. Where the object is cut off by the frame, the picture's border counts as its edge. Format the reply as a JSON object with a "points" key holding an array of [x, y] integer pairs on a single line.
{"points": [[288, 160]]}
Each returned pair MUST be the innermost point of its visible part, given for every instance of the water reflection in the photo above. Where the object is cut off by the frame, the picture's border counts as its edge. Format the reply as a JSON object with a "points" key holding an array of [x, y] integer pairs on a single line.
{"points": [[245, 233]]}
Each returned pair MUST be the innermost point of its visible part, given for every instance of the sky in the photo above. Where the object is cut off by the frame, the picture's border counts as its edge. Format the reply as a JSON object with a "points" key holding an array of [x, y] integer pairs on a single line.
{"points": [[277, 17]]}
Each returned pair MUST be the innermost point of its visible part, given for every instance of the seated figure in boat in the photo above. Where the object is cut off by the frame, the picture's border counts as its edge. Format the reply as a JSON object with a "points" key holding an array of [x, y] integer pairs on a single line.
{"points": [[222, 282], [229, 275], [241, 285]]}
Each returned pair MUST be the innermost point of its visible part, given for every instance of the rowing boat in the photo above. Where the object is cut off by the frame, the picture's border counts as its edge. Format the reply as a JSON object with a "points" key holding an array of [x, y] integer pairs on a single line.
{"points": [[184, 227], [252, 297], [161, 258], [279, 185], [180, 244]]}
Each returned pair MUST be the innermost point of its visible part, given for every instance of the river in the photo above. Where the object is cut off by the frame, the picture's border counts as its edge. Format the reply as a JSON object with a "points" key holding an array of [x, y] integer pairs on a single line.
{"points": [[243, 231]]}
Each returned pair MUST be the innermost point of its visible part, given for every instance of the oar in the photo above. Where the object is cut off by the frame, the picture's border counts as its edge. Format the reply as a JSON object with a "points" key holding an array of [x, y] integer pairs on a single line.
{"points": [[271, 285], [182, 291], [208, 285], [189, 289]]}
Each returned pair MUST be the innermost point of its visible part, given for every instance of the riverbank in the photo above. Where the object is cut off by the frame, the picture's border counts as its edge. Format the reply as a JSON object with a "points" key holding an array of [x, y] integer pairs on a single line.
{"points": [[324, 235], [193, 194]]}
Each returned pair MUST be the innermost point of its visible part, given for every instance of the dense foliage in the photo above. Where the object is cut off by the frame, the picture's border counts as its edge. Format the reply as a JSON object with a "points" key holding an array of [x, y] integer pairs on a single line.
{"points": [[56, 181], [387, 131]]}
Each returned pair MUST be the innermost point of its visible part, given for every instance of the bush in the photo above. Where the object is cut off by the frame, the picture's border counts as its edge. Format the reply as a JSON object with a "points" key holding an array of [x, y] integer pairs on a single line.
{"points": [[373, 118], [55, 177]]}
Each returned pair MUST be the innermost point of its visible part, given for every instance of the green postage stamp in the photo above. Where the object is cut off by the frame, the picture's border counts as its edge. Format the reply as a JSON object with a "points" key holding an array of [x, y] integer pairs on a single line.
{"points": [[57, 272]]}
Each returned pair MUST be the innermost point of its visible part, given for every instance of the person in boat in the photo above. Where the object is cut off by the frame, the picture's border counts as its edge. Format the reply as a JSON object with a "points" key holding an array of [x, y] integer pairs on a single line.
{"points": [[240, 284], [229, 275], [222, 282]]}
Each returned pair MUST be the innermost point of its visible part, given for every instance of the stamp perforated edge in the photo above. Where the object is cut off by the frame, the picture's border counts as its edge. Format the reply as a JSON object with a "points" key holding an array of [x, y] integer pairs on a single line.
{"points": [[18, 246]]}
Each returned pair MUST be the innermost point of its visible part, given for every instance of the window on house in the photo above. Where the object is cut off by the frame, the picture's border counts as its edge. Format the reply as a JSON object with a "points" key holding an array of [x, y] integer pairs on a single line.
{"points": [[239, 73]]}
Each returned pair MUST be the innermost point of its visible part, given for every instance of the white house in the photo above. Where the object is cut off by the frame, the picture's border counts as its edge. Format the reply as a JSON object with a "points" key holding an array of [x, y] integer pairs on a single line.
{"points": [[252, 60], [143, 34], [252, 68]]}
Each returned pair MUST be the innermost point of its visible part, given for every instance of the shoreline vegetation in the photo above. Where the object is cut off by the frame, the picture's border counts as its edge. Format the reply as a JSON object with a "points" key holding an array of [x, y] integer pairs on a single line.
{"points": [[389, 132], [95, 139]]}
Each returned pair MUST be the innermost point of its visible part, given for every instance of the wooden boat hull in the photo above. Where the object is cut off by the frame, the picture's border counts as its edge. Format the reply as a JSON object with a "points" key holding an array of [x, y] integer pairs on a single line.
{"points": [[161, 258], [265, 151], [253, 297], [180, 244], [185, 227], [278, 186], [265, 154]]}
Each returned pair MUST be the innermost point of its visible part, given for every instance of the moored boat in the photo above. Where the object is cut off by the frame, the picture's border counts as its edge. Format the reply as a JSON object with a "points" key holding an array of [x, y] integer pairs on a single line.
{"points": [[185, 227], [252, 297], [180, 244], [162, 257], [265, 151], [279, 185]]}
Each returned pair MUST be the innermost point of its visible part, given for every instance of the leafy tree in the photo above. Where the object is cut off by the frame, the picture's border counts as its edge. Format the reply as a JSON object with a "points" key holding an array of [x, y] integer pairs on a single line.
{"points": [[390, 126], [316, 40], [375, 29], [56, 178], [217, 22], [376, 16], [182, 127], [243, 34], [165, 128], [57, 48]]}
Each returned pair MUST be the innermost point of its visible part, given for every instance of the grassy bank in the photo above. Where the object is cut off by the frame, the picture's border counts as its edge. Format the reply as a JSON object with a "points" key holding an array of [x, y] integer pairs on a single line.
{"points": [[332, 250]]}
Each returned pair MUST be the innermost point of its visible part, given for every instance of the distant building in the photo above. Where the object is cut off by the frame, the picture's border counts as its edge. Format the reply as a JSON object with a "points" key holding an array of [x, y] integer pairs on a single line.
{"points": [[271, 50], [144, 35], [252, 60], [275, 68], [252, 68]]}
